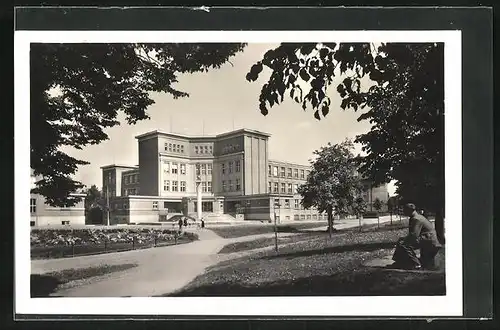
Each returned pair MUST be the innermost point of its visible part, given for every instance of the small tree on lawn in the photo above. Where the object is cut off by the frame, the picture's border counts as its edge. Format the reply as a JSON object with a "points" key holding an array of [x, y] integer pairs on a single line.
{"points": [[359, 208], [333, 183], [378, 204]]}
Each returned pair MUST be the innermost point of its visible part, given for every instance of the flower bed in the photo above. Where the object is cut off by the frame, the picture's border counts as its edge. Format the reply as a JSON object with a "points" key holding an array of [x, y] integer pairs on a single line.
{"points": [[57, 243]]}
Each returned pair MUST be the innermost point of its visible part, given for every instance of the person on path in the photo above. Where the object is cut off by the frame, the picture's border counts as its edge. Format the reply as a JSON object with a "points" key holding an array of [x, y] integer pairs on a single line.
{"points": [[180, 224], [421, 235]]}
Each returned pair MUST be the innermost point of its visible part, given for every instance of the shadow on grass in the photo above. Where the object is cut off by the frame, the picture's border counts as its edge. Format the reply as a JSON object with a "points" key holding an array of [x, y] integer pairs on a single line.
{"points": [[43, 285], [362, 283], [366, 247]]}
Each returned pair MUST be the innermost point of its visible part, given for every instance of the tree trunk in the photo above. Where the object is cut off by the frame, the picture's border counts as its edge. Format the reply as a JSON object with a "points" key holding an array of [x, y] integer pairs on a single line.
{"points": [[330, 222], [439, 225]]}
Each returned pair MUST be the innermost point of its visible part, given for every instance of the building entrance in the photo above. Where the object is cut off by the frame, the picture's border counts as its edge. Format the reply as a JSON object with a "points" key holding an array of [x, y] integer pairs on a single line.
{"points": [[205, 206]]}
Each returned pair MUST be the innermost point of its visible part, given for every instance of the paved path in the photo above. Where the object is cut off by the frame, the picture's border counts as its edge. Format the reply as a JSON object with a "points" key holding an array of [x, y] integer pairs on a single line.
{"points": [[160, 270]]}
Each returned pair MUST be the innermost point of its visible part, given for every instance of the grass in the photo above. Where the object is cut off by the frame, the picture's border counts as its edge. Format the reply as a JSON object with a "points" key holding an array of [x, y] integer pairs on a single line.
{"points": [[303, 236], [319, 266], [44, 285], [247, 230]]}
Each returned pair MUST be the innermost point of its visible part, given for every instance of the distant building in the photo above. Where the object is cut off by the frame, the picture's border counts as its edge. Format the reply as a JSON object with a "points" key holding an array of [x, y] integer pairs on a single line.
{"points": [[42, 214], [237, 179]]}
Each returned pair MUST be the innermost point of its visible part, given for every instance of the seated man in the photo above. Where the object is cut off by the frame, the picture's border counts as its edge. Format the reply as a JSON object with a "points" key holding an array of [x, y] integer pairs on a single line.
{"points": [[422, 235]]}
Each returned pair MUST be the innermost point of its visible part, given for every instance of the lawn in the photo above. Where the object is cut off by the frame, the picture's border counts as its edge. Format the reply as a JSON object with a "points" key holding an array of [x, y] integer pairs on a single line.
{"points": [[247, 230], [44, 285], [319, 266]]}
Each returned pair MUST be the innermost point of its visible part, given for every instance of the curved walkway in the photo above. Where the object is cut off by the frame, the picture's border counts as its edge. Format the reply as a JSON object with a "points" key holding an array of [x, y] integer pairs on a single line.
{"points": [[160, 270]]}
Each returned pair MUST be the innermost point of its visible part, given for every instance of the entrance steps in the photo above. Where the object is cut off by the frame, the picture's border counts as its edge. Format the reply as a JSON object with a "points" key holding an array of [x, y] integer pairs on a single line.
{"points": [[210, 217]]}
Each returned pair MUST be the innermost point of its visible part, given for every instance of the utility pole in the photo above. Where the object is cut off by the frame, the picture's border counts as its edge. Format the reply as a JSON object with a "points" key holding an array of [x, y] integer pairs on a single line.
{"points": [[276, 227]]}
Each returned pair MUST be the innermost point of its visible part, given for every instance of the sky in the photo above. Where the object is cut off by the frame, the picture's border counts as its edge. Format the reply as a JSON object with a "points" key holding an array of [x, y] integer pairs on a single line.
{"points": [[222, 100]]}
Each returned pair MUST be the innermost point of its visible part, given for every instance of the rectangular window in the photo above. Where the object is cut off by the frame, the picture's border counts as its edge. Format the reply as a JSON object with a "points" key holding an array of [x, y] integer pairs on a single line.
{"points": [[178, 148], [238, 186], [290, 188], [170, 147], [296, 188], [183, 185], [282, 172], [166, 146], [296, 173], [182, 149], [315, 217], [308, 217], [275, 170], [238, 166], [209, 186], [302, 174], [287, 203], [166, 167], [230, 185], [275, 188], [125, 179], [183, 168], [296, 204], [224, 187], [203, 169], [302, 217], [166, 185], [209, 169], [283, 188], [270, 169], [269, 187], [206, 149], [195, 149], [32, 205], [174, 168], [136, 180], [204, 187], [230, 168], [155, 205], [289, 173], [175, 186], [223, 168]]}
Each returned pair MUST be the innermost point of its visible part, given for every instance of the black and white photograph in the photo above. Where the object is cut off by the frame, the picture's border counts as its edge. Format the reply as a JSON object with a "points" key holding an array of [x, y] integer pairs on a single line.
{"points": [[246, 172]]}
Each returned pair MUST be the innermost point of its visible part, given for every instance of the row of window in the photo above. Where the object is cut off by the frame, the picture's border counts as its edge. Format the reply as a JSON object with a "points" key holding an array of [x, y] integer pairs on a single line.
{"points": [[203, 149], [305, 217], [172, 147], [203, 169], [236, 166], [287, 204], [133, 191], [274, 187], [132, 178], [281, 171], [229, 186], [176, 168], [206, 186]]}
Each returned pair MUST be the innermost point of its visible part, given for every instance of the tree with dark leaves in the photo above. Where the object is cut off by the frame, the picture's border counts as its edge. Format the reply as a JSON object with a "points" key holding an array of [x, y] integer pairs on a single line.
{"points": [[77, 90], [398, 87], [333, 185]]}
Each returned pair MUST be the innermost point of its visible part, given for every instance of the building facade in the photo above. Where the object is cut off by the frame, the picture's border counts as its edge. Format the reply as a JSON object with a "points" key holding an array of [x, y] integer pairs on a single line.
{"points": [[42, 214], [233, 171]]}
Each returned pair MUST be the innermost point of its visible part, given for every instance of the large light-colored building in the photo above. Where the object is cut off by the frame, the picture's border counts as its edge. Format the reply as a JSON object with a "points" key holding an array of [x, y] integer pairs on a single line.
{"points": [[236, 176], [42, 214]]}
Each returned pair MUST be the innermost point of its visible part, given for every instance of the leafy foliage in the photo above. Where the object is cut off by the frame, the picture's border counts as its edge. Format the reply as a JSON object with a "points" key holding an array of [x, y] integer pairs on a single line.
{"points": [[378, 204], [77, 90], [333, 185], [404, 103]]}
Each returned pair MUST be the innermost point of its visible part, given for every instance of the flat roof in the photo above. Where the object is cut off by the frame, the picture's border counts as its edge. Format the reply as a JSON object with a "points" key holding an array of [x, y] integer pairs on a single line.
{"points": [[279, 162], [119, 166], [186, 136]]}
